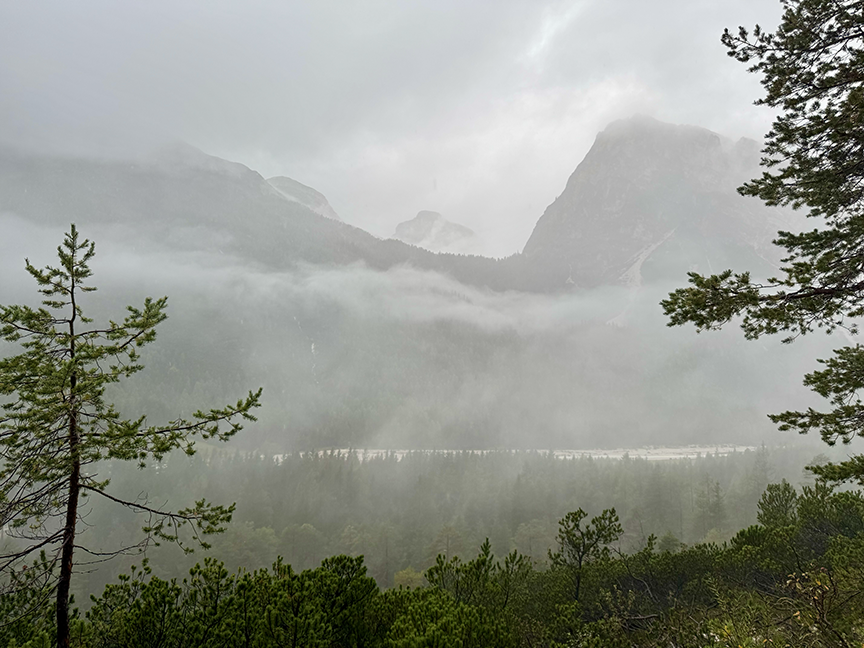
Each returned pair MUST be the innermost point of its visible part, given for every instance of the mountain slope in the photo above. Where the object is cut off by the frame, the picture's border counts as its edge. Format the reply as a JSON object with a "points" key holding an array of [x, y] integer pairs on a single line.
{"points": [[188, 200], [266, 292], [649, 202]]}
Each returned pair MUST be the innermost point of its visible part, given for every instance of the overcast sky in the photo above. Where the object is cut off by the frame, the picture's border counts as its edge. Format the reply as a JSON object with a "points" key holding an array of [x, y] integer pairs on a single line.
{"points": [[477, 109]]}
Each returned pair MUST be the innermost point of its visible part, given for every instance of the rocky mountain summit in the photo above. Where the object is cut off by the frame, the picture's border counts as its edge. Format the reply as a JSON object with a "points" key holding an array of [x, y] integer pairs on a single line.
{"points": [[430, 230], [649, 202]]}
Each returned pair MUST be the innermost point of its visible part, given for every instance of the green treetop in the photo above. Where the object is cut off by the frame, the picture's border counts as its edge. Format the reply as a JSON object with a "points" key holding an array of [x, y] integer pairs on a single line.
{"points": [[55, 424]]}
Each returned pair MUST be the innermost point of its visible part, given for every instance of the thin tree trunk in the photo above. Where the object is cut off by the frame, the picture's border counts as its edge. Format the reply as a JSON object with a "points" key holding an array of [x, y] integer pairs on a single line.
{"points": [[72, 503], [68, 547], [579, 579]]}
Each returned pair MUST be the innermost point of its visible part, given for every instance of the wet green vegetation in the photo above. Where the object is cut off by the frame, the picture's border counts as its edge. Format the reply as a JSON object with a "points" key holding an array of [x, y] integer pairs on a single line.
{"points": [[412, 565]]}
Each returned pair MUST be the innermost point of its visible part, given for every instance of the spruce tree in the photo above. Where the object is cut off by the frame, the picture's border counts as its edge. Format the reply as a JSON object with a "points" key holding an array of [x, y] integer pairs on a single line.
{"points": [[55, 424]]}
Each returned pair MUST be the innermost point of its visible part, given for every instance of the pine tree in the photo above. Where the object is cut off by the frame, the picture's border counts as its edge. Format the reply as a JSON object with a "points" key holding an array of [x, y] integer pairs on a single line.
{"points": [[778, 505], [578, 545], [812, 69], [56, 425]]}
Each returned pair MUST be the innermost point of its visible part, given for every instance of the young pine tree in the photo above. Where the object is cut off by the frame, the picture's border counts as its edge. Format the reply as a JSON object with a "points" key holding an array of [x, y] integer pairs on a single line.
{"points": [[55, 424]]}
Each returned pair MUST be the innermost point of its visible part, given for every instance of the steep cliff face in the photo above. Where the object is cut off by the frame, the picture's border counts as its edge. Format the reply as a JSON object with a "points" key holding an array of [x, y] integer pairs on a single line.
{"points": [[430, 230], [649, 202]]}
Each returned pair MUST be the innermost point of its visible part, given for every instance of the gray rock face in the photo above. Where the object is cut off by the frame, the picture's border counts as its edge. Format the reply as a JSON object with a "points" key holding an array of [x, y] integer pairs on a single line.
{"points": [[430, 230], [651, 201], [306, 196]]}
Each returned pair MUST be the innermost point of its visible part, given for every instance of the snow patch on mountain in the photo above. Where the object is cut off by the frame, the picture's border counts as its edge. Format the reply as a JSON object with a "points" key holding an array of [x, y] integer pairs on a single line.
{"points": [[632, 277], [306, 196]]}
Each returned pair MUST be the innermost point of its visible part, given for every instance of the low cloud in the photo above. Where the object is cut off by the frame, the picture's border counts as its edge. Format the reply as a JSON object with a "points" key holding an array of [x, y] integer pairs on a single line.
{"points": [[409, 358]]}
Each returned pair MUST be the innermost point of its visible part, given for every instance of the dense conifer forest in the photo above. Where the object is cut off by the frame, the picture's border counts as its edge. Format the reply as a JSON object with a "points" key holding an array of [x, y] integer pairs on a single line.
{"points": [[399, 514], [500, 549]]}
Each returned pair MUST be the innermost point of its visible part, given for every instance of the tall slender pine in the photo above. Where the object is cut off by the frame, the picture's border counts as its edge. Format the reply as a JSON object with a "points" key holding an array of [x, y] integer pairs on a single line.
{"points": [[55, 423]]}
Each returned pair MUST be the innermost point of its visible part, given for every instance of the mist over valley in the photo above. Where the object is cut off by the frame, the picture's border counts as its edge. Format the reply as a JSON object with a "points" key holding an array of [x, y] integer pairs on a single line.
{"points": [[369, 343]]}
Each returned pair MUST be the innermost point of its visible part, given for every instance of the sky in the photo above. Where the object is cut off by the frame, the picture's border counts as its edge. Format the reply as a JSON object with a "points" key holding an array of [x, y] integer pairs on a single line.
{"points": [[479, 110]]}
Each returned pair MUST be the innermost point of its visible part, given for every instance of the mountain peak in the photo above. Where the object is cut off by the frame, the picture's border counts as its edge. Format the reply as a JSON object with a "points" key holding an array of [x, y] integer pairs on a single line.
{"points": [[652, 200], [641, 123], [425, 216], [430, 230]]}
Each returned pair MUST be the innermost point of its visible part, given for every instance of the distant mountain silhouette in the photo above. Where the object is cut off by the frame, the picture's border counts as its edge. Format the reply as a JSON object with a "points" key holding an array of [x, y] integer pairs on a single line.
{"points": [[187, 199], [359, 358], [430, 230], [649, 201]]}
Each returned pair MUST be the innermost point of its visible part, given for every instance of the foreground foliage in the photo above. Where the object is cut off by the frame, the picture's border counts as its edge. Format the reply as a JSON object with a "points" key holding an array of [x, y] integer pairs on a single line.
{"points": [[795, 579]]}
